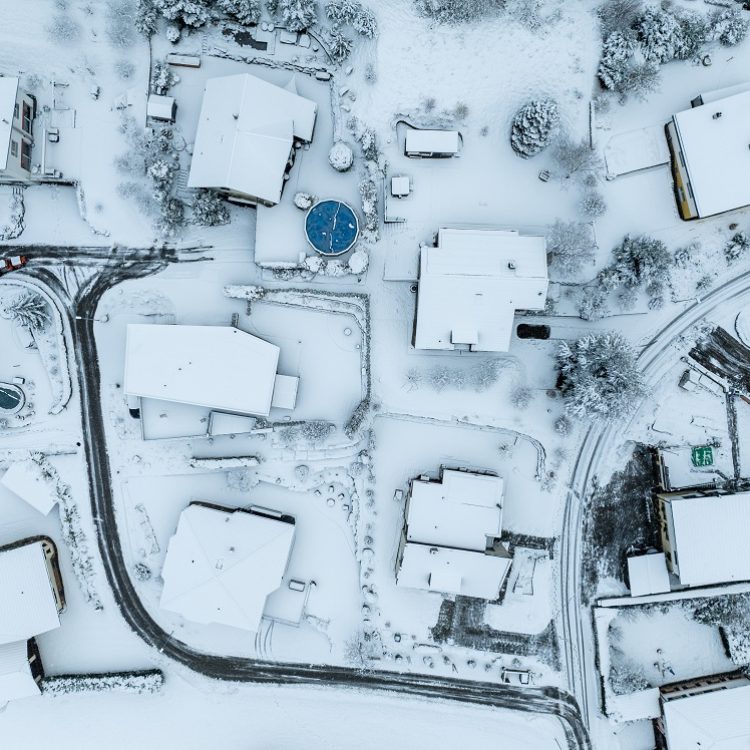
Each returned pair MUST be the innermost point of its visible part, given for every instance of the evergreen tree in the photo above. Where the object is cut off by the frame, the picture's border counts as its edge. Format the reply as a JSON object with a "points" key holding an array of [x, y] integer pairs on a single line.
{"points": [[533, 126]]}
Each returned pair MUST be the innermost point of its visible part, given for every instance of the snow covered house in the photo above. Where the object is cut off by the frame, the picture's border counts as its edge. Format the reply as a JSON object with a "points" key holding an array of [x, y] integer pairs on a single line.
{"points": [[31, 591], [246, 138], [704, 533], [26, 480], [710, 155], [20, 671], [222, 563], [707, 712], [218, 367], [472, 283], [17, 113], [450, 542]]}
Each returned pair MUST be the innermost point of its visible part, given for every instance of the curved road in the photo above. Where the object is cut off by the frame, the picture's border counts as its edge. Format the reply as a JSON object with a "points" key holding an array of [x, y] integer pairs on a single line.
{"points": [[656, 359], [543, 700]]}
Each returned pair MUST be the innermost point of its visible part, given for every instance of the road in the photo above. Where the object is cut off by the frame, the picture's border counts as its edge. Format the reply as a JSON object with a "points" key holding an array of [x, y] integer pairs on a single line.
{"points": [[655, 360], [81, 312]]}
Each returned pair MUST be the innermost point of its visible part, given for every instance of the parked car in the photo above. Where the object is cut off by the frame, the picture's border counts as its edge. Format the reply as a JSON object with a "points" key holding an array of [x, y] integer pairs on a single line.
{"points": [[12, 263]]}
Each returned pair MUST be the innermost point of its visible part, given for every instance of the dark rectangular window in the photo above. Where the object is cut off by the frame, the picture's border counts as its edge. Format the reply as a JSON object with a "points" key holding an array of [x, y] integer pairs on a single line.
{"points": [[26, 122], [15, 111], [14, 148], [26, 156]]}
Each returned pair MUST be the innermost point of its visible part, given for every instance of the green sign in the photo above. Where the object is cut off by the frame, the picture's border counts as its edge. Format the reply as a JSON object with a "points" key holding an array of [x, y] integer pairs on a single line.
{"points": [[702, 455]]}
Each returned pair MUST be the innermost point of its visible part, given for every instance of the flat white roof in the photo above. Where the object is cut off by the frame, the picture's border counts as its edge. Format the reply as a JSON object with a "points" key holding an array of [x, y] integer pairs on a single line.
{"points": [[16, 680], [245, 135], [432, 141], [648, 574], [472, 283], [27, 601], [717, 152], [710, 538], [8, 94], [221, 565], [461, 511], [285, 392], [26, 480], [716, 720], [452, 571], [219, 367]]}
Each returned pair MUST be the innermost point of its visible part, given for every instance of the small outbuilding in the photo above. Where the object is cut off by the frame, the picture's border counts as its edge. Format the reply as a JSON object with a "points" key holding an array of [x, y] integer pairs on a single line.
{"points": [[432, 143], [648, 574], [162, 108]]}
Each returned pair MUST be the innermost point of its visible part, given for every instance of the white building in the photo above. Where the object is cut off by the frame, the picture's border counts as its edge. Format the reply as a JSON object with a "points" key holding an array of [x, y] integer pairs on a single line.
{"points": [[30, 591], [708, 713], [450, 543], [222, 564], [704, 535], [246, 136], [219, 367], [432, 143], [17, 113], [648, 574], [472, 283], [710, 155], [17, 679]]}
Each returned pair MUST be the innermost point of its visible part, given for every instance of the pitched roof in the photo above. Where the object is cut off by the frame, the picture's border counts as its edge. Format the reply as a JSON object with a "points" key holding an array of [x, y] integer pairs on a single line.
{"points": [[16, 680], [716, 720], [222, 564], [648, 574], [27, 601], [710, 538], [219, 367], [452, 571], [25, 479], [245, 135], [717, 152], [461, 510], [472, 283]]}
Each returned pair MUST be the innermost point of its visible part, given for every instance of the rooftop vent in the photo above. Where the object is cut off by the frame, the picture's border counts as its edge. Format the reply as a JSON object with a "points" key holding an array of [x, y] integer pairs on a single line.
{"points": [[512, 265], [716, 115]]}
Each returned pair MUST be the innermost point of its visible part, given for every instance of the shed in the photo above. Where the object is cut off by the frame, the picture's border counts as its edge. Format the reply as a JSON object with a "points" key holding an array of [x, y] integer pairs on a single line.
{"points": [[648, 574], [161, 107], [432, 143]]}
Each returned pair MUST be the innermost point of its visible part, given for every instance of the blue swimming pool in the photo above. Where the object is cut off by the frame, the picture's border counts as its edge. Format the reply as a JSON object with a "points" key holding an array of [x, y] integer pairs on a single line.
{"points": [[12, 398], [331, 227]]}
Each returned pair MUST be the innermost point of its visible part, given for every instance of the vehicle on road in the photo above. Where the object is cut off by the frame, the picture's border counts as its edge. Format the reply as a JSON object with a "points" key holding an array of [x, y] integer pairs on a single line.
{"points": [[12, 263]]}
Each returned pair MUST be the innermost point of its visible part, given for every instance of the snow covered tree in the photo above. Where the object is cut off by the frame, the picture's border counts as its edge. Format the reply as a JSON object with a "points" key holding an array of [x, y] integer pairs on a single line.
{"points": [[210, 209], [570, 245], [618, 50], [533, 126], [298, 15], [163, 78], [146, 17], [592, 204], [339, 45], [626, 677], [30, 310], [119, 23], [352, 13], [245, 11], [618, 15], [694, 32], [576, 157], [736, 247], [728, 26], [600, 377], [640, 79], [643, 260], [341, 156], [192, 13], [458, 11], [592, 304], [659, 33]]}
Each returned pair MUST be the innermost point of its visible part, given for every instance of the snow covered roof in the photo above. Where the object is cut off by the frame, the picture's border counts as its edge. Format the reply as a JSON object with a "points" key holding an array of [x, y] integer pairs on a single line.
{"points": [[432, 141], [710, 538], [16, 680], [715, 720], [245, 135], [222, 564], [160, 107], [27, 601], [25, 479], [717, 152], [472, 283], [8, 94], [461, 510], [219, 367], [452, 571], [648, 574]]}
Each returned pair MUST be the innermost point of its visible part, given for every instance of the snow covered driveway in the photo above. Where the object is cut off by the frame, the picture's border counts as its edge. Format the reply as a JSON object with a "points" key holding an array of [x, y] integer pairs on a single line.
{"points": [[636, 150]]}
